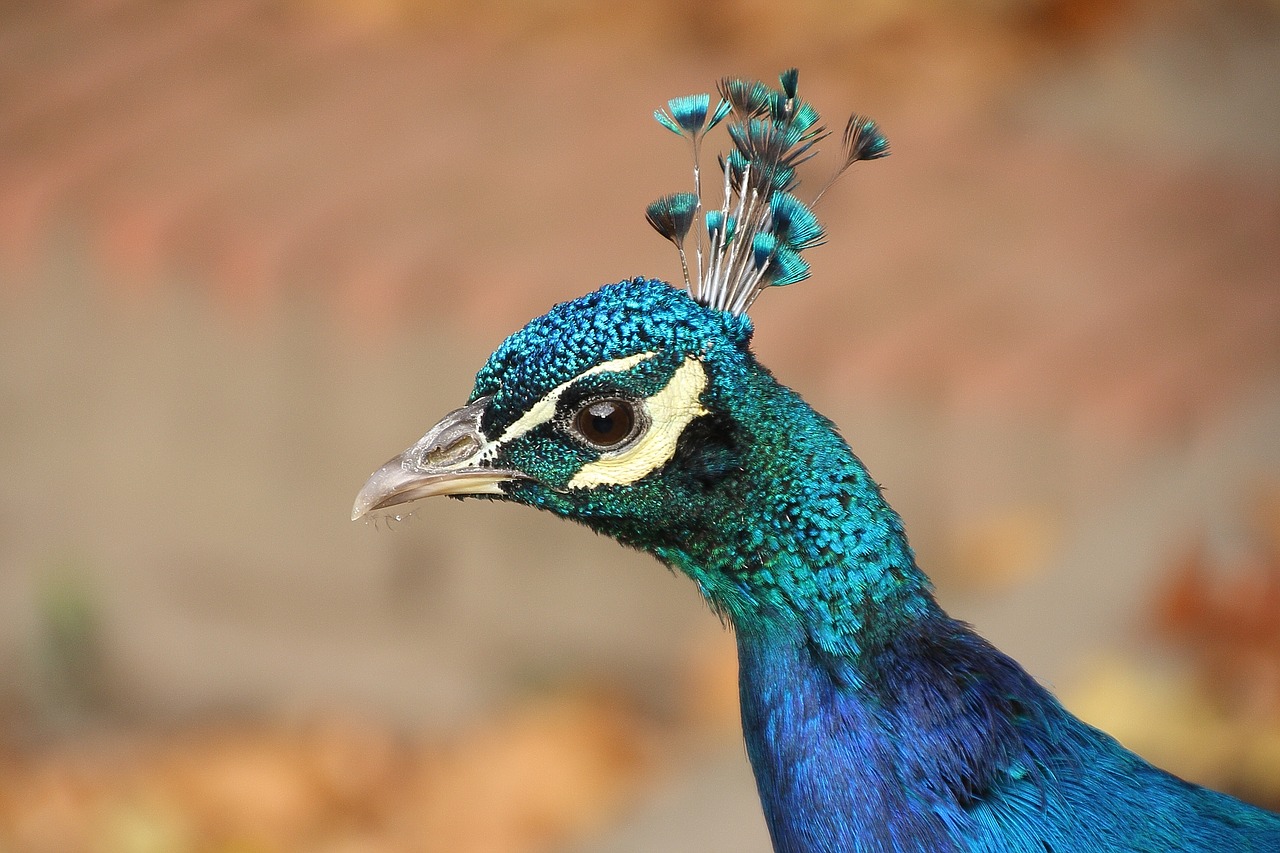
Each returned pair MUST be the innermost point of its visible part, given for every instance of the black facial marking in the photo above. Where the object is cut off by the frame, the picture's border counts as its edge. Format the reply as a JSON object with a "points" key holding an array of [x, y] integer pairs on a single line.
{"points": [[708, 450]]}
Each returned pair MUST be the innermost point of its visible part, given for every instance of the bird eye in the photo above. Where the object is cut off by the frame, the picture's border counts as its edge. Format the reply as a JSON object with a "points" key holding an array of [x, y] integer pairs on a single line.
{"points": [[606, 423]]}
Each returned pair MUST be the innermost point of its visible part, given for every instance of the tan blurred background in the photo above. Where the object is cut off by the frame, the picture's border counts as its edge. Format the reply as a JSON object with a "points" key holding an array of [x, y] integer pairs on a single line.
{"points": [[249, 250]]}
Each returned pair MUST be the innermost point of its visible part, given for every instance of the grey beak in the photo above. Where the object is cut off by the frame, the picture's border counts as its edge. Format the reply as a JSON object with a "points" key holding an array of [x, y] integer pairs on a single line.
{"points": [[445, 461]]}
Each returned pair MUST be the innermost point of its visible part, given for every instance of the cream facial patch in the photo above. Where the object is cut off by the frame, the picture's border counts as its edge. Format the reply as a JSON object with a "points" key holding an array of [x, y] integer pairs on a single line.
{"points": [[670, 411]]}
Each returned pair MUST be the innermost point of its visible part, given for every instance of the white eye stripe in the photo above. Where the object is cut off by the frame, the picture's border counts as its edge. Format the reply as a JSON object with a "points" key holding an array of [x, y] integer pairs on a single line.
{"points": [[545, 409], [669, 412]]}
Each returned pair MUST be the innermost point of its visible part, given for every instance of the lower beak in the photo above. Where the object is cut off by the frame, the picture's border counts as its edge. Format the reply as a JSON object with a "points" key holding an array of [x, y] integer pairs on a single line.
{"points": [[445, 461]]}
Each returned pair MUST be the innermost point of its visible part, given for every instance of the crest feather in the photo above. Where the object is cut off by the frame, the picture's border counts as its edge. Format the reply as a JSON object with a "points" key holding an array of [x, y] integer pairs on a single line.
{"points": [[755, 238]]}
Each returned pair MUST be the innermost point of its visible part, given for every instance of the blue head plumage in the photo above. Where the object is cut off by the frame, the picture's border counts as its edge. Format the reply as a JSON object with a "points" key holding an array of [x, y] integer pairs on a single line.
{"points": [[615, 321]]}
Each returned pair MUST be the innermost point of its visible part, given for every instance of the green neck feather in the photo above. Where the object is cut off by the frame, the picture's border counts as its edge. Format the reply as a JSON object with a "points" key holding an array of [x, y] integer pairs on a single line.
{"points": [[803, 541]]}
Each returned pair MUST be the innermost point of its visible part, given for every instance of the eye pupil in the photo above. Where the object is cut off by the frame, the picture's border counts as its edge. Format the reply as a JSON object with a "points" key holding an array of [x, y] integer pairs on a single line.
{"points": [[606, 423], [602, 424]]}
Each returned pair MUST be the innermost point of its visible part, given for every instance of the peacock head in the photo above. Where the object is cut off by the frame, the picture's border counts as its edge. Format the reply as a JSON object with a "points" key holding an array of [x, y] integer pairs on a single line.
{"points": [[631, 409]]}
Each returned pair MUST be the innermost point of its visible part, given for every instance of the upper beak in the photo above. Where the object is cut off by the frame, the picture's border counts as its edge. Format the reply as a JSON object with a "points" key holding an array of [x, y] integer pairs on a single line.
{"points": [[445, 461]]}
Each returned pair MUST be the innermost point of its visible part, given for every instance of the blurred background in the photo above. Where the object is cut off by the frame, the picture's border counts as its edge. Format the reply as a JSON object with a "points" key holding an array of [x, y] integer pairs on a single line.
{"points": [[252, 249]]}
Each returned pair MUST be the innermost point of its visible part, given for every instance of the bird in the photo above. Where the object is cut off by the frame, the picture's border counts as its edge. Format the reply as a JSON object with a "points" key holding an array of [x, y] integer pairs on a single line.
{"points": [[873, 721]]}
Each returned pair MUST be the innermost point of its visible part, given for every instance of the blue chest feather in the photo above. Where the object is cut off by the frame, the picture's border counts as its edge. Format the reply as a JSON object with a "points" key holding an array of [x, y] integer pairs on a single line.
{"points": [[950, 746]]}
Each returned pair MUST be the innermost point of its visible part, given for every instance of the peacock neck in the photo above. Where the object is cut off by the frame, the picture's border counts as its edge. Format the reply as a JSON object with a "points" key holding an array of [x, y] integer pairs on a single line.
{"points": [[872, 719], [870, 716], [804, 548]]}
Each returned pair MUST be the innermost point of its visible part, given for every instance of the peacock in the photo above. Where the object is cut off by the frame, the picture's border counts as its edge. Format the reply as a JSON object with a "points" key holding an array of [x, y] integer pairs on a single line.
{"points": [[873, 721]]}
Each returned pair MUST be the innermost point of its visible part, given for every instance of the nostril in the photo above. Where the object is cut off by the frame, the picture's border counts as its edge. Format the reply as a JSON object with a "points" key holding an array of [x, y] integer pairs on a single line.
{"points": [[442, 455]]}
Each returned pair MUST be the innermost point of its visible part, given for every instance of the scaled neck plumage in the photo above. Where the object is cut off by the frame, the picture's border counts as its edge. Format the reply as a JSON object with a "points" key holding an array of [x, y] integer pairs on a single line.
{"points": [[804, 545]]}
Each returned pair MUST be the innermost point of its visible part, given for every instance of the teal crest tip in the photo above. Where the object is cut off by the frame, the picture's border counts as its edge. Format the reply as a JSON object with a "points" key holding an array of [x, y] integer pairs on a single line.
{"points": [[756, 237]]}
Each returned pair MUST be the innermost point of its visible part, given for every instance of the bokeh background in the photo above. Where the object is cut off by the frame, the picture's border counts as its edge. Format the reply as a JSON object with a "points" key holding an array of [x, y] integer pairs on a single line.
{"points": [[251, 249]]}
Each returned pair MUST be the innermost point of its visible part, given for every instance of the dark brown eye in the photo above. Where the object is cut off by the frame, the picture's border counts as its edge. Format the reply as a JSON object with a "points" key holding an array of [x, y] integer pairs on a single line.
{"points": [[606, 423]]}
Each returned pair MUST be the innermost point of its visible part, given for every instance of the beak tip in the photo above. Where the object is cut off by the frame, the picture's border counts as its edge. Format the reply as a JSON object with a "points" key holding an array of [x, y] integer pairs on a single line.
{"points": [[376, 491], [371, 496]]}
